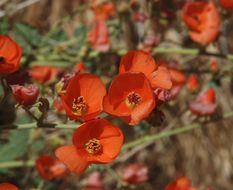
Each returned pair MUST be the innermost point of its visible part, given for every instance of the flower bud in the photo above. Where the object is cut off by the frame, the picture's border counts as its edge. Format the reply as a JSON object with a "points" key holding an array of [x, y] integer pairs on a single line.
{"points": [[25, 95]]}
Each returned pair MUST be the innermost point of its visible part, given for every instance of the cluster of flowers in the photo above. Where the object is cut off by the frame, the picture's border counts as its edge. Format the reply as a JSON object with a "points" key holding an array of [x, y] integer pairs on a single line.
{"points": [[202, 19], [133, 94], [130, 96]]}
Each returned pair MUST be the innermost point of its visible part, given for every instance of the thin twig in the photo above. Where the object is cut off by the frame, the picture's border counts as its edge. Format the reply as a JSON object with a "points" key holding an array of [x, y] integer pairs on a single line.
{"points": [[148, 138], [30, 113], [5, 90], [154, 137], [19, 7]]}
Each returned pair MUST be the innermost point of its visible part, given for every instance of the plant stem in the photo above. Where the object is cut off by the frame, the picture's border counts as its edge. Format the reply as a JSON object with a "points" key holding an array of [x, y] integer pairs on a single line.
{"points": [[145, 139], [5, 91], [182, 51], [30, 113], [190, 51], [154, 137], [149, 138], [17, 164], [35, 126]]}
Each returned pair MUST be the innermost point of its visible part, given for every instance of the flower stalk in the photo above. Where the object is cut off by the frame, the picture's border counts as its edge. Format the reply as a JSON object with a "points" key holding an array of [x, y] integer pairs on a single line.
{"points": [[144, 139]]}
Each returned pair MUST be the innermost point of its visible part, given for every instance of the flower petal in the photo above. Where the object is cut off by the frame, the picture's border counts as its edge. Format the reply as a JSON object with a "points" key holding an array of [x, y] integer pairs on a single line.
{"points": [[69, 156]]}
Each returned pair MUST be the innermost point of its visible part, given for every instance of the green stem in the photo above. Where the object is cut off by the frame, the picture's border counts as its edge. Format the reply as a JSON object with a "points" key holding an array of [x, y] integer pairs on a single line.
{"points": [[41, 185], [145, 139], [182, 51], [154, 137], [150, 138], [17, 164], [158, 50], [35, 126], [190, 51]]}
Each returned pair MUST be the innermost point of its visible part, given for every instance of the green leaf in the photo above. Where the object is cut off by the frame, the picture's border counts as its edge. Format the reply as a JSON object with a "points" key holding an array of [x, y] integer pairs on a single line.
{"points": [[4, 26], [59, 35], [27, 36], [37, 146], [16, 147]]}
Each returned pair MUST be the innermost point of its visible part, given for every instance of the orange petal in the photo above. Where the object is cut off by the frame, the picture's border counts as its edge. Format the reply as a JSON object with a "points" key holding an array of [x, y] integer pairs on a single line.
{"points": [[137, 61], [112, 146], [68, 155], [177, 76], [142, 111], [206, 37], [122, 109], [161, 78], [8, 186]]}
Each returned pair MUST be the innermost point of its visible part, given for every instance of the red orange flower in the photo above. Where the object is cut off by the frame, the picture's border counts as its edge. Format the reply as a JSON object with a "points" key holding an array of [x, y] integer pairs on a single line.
{"points": [[214, 66], [177, 77], [140, 61], [50, 168], [58, 106], [130, 97], [150, 41], [103, 10], [8, 186], [61, 86], [192, 83], [84, 97], [10, 54], [136, 173], [42, 74], [205, 104], [227, 4], [25, 95], [181, 183], [97, 141], [79, 67], [98, 37], [203, 19]]}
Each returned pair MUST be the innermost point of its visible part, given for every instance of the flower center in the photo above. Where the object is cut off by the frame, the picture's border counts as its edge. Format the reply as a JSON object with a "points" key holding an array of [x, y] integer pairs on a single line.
{"points": [[133, 99], [79, 106], [2, 60], [93, 146]]}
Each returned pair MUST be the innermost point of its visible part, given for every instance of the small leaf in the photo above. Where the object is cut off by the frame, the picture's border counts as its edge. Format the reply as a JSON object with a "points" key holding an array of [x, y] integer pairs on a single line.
{"points": [[16, 147]]}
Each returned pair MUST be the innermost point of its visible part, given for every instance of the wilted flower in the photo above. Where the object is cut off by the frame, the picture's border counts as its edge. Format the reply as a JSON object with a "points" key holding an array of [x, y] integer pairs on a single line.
{"points": [[94, 181], [50, 168], [61, 86], [205, 104], [94, 142], [135, 173], [25, 95], [10, 54], [150, 41], [139, 17]]}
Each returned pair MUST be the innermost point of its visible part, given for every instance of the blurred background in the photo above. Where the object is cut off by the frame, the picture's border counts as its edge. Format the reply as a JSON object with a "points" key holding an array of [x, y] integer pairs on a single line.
{"points": [[57, 33]]}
